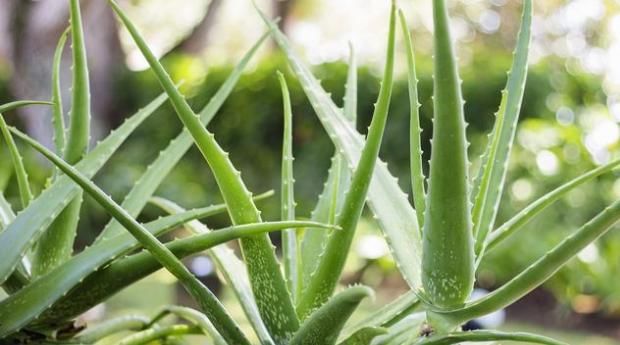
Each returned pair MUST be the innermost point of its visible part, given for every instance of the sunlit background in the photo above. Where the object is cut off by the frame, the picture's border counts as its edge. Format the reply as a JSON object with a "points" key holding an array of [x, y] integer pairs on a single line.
{"points": [[569, 123]]}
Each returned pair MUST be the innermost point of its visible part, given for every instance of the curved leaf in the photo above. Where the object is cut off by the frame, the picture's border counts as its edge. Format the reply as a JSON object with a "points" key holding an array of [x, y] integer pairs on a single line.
{"points": [[93, 334], [201, 294], [323, 326], [31, 222], [268, 283], [484, 335]]}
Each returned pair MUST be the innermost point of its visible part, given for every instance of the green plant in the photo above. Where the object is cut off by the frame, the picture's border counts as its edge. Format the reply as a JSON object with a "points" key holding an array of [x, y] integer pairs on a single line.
{"points": [[293, 302]]}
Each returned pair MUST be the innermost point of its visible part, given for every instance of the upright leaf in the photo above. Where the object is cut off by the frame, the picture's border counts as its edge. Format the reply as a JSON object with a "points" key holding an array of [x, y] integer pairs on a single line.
{"points": [[209, 304], [396, 217], [324, 325], [56, 244], [448, 253], [415, 147], [325, 279], [31, 222], [58, 119], [500, 143], [287, 199], [335, 187], [268, 283], [79, 127]]}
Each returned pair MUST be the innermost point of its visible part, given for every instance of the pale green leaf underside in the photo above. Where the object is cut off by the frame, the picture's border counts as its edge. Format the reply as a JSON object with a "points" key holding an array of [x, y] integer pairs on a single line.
{"points": [[485, 336]]}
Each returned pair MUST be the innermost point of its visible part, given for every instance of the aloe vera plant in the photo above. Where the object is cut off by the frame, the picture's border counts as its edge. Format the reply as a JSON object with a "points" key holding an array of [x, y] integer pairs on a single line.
{"points": [[437, 243]]}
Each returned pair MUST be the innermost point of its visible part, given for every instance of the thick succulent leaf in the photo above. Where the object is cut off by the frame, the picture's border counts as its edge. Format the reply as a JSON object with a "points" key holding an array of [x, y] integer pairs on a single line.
{"points": [[148, 336], [524, 216], [323, 326], [30, 223], [448, 252], [415, 147], [123, 272], [538, 272], [148, 183], [20, 172], [195, 317], [287, 197], [338, 180], [364, 336], [207, 301], [485, 336], [268, 283], [45, 291], [500, 143], [92, 334], [58, 120], [20, 276], [329, 204], [234, 272], [324, 280], [386, 315], [389, 204], [79, 116]]}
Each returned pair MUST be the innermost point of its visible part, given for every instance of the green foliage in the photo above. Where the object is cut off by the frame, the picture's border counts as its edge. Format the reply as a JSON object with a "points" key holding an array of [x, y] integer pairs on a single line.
{"points": [[295, 301]]}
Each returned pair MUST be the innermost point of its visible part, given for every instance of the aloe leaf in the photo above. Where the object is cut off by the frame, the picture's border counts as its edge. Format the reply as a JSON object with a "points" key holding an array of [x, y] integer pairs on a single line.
{"points": [[528, 213], [329, 204], [123, 272], [195, 317], [386, 315], [234, 272], [325, 279], [92, 334], [268, 283], [20, 276], [364, 336], [338, 180], [538, 272], [390, 205], [45, 291], [22, 177], [323, 326], [448, 253], [287, 202], [350, 95], [493, 178], [222, 321], [79, 127], [146, 185], [30, 223], [149, 335], [485, 335], [415, 147], [58, 120]]}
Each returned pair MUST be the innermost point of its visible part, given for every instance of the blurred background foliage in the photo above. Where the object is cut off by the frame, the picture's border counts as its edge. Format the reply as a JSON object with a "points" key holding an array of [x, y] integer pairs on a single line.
{"points": [[569, 121]]}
